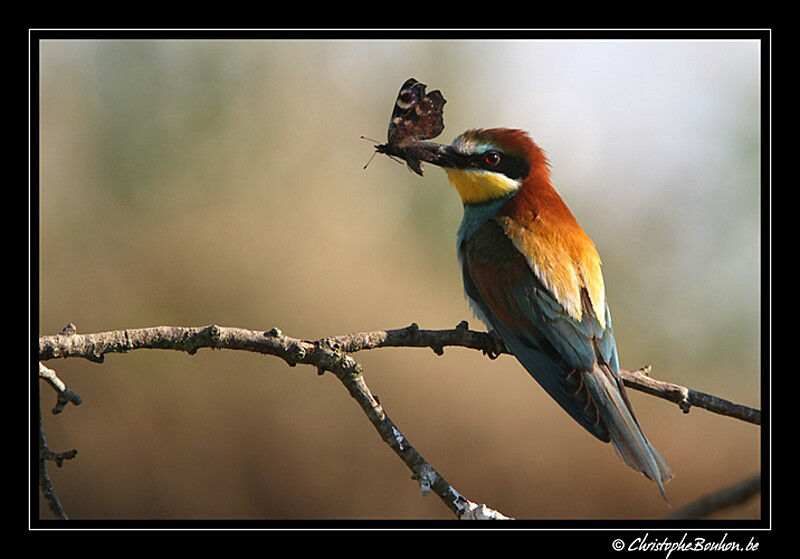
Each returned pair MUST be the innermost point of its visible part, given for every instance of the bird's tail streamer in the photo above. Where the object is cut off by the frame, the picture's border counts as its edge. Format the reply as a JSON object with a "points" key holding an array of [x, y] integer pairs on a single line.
{"points": [[626, 435]]}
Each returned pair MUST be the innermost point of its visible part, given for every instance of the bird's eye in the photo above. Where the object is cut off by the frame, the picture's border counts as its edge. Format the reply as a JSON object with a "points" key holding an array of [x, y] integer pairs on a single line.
{"points": [[491, 158]]}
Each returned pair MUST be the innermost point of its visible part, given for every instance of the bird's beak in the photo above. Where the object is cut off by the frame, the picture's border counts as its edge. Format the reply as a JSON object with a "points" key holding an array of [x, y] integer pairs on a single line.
{"points": [[430, 152], [440, 154]]}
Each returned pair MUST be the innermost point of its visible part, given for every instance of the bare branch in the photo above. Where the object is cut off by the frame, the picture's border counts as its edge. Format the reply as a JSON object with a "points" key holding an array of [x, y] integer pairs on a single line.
{"points": [[461, 336], [428, 478], [325, 355], [294, 351], [65, 395], [733, 495], [686, 397], [45, 484], [482, 512], [331, 354]]}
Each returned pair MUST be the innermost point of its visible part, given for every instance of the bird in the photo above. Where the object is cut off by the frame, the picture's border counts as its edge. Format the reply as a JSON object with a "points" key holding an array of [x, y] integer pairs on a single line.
{"points": [[533, 276]]}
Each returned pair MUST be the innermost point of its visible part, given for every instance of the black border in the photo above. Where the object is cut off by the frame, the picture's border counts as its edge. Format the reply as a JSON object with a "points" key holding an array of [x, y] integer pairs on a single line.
{"points": [[598, 532]]}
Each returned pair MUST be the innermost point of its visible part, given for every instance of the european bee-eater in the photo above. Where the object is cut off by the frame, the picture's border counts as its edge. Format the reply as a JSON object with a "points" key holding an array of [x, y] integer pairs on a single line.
{"points": [[533, 276]]}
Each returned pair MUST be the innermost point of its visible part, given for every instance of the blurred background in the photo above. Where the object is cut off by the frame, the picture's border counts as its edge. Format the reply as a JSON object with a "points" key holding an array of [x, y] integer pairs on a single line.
{"points": [[194, 182]]}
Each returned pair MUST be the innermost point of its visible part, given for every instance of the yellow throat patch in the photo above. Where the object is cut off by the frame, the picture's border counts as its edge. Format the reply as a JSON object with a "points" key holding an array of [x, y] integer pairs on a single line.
{"points": [[476, 186]]}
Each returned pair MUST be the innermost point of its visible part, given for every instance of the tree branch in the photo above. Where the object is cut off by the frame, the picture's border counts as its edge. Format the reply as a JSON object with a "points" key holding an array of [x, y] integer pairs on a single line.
{"points": [[331, 354], [461, 336], [686, 397], [428, 478], [65, 395], [94, 346], [45, 483], [730, 496], [325, 355]]}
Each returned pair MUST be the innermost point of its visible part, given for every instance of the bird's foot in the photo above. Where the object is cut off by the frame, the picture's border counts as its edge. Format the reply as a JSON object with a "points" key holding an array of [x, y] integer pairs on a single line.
{"points": [[498, 346]]}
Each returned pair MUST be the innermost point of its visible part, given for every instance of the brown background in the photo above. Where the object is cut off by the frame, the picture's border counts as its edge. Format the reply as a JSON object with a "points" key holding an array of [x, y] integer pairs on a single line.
{"points": [[189, 183]]}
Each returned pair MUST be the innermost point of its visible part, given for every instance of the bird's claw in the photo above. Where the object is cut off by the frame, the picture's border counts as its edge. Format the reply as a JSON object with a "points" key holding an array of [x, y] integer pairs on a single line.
{"points": [[499, 347]]}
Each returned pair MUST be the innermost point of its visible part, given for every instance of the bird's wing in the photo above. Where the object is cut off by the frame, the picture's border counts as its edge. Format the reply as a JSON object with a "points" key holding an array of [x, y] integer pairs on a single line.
{"points": [[553, 347], [575, 361]]}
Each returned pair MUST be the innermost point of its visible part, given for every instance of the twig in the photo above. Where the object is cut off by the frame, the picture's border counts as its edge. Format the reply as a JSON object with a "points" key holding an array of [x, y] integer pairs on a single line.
{"points": [[65, 395], [730, 496], [45, 483], [331, 354], [428, 478], [461, 336], [325, 355], [293, 351], [686, 397]]}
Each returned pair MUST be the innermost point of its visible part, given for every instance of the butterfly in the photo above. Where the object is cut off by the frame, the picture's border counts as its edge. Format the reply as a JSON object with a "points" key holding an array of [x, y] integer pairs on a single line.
{"points": [[416, 116]]}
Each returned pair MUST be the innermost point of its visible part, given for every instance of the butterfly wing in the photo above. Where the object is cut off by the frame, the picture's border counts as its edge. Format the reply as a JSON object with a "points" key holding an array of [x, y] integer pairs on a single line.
{"points": [[416, 116]]}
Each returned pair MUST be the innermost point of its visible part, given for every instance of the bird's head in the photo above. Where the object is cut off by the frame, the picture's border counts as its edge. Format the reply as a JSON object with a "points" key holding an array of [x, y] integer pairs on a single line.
{"points": [[489, 164]]}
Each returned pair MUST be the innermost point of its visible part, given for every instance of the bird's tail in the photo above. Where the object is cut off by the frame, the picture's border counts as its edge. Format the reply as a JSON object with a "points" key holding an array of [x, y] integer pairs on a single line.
{"points": [[626, 435]]}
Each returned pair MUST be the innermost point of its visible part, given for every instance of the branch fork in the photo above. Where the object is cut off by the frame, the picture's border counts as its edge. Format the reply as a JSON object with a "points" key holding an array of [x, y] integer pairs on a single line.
{"points": [[331, 354]]}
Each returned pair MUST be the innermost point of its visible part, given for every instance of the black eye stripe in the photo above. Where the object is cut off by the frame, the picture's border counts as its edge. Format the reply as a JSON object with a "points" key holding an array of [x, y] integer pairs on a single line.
{"points": [[512, 166]]}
